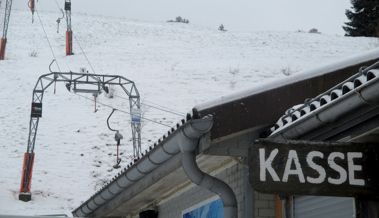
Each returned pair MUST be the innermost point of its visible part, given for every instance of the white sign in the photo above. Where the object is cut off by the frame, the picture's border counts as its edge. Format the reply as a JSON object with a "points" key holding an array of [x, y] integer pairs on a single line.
{"points": [[293, 160], [136, 115]]}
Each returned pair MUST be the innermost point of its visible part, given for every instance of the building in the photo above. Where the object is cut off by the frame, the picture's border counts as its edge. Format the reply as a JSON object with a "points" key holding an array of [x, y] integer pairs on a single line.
{"points": [[207, 155]]}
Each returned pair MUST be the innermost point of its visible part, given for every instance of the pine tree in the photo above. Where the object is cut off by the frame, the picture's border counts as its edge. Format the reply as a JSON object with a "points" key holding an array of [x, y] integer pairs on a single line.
{"points": [[179, 19], [363, 17], [222, 28]]}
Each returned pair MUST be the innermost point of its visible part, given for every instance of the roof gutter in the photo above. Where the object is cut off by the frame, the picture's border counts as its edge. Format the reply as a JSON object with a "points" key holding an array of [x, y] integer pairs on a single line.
{"points": [[188, 144], [166, 149], [352, 96]]}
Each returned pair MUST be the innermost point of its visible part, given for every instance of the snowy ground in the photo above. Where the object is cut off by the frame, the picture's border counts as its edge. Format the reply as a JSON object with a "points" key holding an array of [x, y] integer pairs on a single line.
{"points": [[174, 66]]}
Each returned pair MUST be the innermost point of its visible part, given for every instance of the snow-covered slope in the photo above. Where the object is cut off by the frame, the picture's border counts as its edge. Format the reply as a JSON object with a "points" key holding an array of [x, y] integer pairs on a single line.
{"points": [[175, 66]]}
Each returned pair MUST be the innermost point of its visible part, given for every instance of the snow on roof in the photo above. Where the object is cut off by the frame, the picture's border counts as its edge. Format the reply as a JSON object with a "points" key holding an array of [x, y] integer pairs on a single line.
{"points": [[306, 74]]}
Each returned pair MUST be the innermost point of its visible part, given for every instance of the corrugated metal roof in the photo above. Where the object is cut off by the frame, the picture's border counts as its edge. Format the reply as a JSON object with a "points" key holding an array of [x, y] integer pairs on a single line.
{"points": [[312, 106]]}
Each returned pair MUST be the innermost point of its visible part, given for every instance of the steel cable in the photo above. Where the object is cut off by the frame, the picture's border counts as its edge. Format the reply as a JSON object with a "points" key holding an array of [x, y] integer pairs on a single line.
{"points": [[154, 107], [48, 41], [120, 110]]}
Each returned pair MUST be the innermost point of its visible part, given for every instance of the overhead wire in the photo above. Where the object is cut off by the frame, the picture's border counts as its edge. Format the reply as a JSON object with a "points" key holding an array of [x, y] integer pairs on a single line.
{"points": [[120, 110], [84, 53], [155, 107], [58, 5], [64, 58], [48, 41], [163, 106], [163, 109]]}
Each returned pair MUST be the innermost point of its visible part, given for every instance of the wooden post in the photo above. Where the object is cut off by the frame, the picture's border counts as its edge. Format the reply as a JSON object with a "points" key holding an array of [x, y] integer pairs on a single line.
{"points": [[278, 207]]}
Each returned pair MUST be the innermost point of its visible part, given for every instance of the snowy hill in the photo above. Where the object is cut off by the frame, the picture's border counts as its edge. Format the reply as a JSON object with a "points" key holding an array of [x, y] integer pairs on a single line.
{"points": [[174, 66]]}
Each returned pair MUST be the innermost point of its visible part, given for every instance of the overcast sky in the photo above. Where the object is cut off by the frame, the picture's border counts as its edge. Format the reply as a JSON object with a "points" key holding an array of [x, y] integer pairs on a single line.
{"points": [[327, 16]]}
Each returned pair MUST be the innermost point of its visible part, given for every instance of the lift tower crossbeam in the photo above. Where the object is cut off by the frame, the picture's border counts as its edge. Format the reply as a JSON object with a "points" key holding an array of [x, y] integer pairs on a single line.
{"points": [[3, 42]]}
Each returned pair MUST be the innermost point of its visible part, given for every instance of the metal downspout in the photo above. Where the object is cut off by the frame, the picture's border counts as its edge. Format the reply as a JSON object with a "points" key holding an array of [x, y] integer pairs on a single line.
{"points": [[188, 144]]}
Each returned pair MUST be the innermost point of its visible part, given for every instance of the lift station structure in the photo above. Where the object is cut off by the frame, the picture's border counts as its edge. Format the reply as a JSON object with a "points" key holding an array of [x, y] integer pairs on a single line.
{"points": [[75, 82]]}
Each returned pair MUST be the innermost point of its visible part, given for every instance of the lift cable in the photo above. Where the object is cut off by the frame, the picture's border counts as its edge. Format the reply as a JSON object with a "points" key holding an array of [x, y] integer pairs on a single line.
{"points": [[64, 58], [121, 110], [154, 107], [48, 41], [84, 53], [163, 107], [58, 5]]}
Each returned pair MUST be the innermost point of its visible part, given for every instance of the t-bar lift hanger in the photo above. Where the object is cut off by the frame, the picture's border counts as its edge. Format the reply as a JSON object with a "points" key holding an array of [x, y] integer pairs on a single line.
{"points": [[117, 138]]}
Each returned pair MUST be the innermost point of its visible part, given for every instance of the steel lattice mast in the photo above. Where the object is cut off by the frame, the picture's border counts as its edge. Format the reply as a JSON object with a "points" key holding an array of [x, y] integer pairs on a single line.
{"points": [[3, 42], [67, 8], [73, 82]]}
